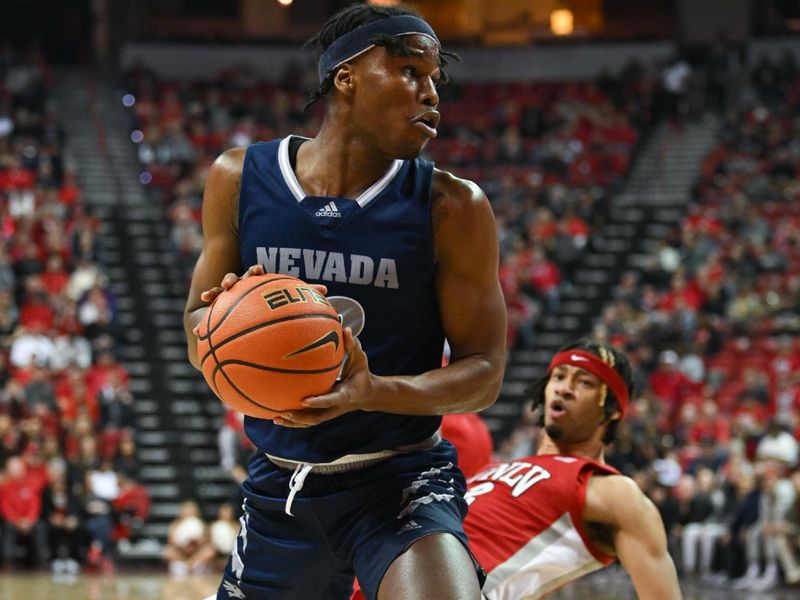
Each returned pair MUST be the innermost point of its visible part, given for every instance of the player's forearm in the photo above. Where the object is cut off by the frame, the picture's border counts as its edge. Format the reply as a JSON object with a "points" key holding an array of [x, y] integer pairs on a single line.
{"points": [[470, 384], [657, 580]]}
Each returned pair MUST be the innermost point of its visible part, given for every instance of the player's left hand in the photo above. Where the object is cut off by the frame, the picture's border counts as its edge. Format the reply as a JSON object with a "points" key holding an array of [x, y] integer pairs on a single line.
{"points": [[350, 394]]}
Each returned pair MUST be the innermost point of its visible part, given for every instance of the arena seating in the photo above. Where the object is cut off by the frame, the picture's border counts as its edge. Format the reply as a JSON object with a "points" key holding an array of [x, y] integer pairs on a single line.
{"points": [[66, 422]]}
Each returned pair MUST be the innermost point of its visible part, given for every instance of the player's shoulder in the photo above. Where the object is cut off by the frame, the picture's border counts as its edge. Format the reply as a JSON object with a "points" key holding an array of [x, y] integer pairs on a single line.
{"points": [[447, 187], [609, 498], [617, 486], [229, 163], [459, 205]]}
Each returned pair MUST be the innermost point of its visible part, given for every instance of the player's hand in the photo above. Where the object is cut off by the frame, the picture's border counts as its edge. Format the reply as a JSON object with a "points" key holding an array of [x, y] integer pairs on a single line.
{"points": [[351, 393], [230, 280]]}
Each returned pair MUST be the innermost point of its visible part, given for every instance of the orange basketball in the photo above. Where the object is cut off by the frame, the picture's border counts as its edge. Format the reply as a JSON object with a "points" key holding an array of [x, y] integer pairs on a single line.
{"points": [[268, 342]]}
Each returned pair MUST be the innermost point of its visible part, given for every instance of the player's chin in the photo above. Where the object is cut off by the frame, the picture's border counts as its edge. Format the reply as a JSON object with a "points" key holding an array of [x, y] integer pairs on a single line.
{"points": [[553, 431], [410, 150]]}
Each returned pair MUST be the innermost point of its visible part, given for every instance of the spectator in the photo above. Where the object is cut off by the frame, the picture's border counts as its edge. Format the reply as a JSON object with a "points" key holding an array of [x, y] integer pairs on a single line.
{"points": [[116, 404], [777, 499], [70, 348], [778, 444], [188, 550], [61, 509], [786, 537], [101, 488], [39, 391], [21, 509], [223, 533], [31, 346], [704, 524], [126, 462], [131, 508]]}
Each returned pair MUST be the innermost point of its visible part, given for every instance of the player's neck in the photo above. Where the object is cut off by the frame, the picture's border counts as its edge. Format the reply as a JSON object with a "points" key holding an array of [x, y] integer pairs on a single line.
{"points": [[336, 163], [591, 448]]}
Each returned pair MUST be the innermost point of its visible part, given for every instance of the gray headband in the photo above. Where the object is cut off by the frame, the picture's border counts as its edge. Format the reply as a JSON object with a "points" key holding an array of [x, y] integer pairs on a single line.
{"points": [[358, 41]]}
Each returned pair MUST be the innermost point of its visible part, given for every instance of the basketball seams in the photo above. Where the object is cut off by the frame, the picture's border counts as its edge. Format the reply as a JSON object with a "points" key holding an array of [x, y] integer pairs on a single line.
{"points": [[219, 369], [237, 301], [244, 363], [244, 332], [211, 346]]}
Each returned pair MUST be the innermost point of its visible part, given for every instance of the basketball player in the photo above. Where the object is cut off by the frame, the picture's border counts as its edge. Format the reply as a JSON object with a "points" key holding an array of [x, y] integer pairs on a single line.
{"points": [[359, 482], [540, 522]]}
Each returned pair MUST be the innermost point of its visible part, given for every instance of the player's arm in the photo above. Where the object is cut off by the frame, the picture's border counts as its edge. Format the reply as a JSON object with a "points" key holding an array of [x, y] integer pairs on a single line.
{"points": [[639, 538], [473, 316], [219, 259], [471, 304]]}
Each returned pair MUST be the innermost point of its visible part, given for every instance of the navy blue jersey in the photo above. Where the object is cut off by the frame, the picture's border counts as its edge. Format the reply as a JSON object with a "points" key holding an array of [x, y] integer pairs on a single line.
{"points": [[376, 249]]}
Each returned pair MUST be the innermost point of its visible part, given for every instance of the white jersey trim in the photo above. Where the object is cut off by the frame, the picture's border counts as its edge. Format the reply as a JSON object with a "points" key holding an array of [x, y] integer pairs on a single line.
{"points": [[294, 186], [553, 558], [286, 170]]}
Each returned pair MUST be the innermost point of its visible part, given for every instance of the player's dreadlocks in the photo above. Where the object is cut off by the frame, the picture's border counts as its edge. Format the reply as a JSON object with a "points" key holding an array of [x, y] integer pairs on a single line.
{"points": [[351, 18], [610, 356]]}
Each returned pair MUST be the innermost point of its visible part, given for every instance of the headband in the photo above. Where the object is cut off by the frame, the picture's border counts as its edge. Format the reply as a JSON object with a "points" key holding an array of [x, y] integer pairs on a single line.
{"points": [[358, 41], [595, 366]]}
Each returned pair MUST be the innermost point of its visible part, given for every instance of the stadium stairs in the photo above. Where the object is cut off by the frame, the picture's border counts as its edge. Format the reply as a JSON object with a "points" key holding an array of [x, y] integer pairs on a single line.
{"points": [[175, 418], [653, 201]]}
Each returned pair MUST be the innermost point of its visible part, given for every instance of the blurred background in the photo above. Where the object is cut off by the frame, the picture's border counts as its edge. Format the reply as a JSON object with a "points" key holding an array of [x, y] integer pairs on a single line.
{"points": [[641, 157]]}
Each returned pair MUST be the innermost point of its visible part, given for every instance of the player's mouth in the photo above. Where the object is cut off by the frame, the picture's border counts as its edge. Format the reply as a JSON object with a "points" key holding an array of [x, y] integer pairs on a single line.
{"points": [[557, 409], [427, 123]]}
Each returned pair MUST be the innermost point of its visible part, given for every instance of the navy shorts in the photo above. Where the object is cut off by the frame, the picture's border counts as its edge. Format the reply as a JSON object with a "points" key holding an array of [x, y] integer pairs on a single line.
{"points": [[344, 525]]}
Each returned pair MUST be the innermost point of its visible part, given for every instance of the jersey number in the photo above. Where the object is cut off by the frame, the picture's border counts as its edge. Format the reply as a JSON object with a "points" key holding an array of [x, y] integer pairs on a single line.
{"points": [[478, 490]]}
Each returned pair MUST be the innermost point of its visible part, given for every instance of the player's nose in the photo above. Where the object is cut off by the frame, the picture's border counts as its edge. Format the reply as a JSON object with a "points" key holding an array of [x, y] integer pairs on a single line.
{"points": [[429, 95], [564, 390]]}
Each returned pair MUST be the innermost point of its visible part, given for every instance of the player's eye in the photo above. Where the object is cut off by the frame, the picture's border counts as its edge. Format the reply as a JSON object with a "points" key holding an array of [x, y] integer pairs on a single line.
{"points": [[410, 70]]}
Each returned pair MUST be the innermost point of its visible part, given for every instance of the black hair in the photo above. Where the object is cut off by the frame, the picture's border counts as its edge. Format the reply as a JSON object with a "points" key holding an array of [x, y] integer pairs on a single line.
{"points": [[353, 17], [607, 354]]}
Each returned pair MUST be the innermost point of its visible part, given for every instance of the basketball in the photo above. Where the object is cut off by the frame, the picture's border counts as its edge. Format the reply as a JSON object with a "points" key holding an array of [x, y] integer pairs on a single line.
{"points": [[268, 342]]}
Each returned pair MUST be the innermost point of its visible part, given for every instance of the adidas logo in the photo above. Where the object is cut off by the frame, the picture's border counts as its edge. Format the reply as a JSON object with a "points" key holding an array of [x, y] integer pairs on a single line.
{"points": [[329, 210], [410, 526]]}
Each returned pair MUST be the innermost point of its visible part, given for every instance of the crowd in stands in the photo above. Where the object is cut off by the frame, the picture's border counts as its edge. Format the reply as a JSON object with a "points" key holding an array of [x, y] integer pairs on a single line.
{"points": [[69, 471], [710, 321], [548, 156]]}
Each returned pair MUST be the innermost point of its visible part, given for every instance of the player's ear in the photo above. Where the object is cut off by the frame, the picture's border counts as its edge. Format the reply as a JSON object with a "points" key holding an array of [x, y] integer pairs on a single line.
{"points": [[344, 81]]}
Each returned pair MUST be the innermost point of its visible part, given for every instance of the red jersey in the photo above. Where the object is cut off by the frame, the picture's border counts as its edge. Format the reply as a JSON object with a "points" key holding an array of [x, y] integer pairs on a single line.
{"points": [[471, 437], [525, 525]]}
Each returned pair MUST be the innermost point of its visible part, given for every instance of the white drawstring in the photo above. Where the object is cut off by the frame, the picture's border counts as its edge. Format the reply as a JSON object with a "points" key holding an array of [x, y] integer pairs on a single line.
{"points": [[301, 471]]}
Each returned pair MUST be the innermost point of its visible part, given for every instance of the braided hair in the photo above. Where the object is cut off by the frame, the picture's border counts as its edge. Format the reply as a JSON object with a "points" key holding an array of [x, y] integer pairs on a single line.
{"points": [[609, 355], [353, 17]]}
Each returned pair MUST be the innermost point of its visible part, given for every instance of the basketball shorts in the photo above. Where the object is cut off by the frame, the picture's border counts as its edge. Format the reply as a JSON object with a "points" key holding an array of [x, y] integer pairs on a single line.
{"points": [[344, 525]]}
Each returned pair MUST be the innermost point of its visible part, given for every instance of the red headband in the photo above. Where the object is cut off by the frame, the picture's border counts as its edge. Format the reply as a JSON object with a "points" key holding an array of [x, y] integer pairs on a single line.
{"points": [[595, 366]]}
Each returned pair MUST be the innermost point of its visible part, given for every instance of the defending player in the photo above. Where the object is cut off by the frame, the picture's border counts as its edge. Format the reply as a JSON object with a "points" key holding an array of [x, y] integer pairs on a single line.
{"points": [[540, 522], [360, 481]]}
